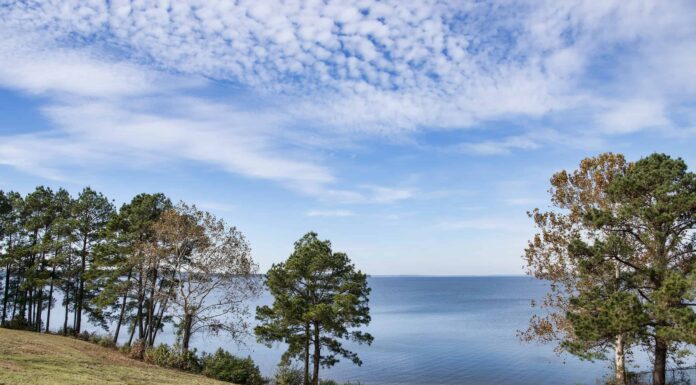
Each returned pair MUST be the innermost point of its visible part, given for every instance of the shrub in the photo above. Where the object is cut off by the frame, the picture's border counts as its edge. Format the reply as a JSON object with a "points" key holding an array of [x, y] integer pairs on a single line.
{"points": [[86, 336], [170, 357], [162, 355], [187, 360], [137, 350], [287, 375], [125, 348], [223, 366], [18, 323], [107, 341], [67, 331]]}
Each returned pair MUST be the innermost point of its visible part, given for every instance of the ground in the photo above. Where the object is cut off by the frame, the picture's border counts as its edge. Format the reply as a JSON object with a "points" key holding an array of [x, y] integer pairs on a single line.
{"points": [[40, 359]]}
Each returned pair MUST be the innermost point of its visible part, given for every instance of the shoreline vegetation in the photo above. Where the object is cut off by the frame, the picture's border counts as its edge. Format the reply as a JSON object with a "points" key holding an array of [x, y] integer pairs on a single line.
{"points": [[47, 359], [617, 244], [151, 263]]}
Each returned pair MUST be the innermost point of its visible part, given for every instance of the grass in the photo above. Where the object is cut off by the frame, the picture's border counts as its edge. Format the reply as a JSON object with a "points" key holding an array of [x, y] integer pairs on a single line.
{"points": [[40, 359]]}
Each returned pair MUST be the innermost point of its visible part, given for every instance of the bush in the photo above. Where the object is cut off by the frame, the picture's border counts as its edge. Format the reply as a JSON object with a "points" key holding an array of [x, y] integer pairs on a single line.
{"points": [[107, 341], [125, 348], [223, 366], [287, 375], [67, 331], [187, 360], [137, 350], [170, 357], [160, 356], [86, 336], [18, 323]]}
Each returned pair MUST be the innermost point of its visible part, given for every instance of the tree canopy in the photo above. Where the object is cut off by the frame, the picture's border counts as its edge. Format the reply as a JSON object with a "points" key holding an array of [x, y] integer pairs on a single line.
{"points": [[320, 300]]}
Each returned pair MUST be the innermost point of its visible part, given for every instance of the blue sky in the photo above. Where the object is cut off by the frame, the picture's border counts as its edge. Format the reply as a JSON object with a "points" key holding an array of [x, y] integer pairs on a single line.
{"points": [[414, 135]]}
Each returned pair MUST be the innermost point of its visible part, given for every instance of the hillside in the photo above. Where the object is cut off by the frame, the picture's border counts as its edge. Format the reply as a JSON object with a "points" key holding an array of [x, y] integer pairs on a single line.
{"points": [[39, 359]]}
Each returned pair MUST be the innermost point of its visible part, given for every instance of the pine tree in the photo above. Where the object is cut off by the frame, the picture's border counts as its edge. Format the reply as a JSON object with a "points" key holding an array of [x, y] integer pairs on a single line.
{"points": [[320, 299]]}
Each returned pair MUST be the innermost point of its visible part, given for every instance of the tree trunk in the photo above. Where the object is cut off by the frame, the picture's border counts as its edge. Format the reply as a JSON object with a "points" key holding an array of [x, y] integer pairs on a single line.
{"points": [[186, 337], [123, 307], [132, 332], [158, 321], [76, 289], [151, 308], [39, 293], [306, 355], [141, 298], [39, 309], [67, 306], [30, 305], [619, 361], [660, 368], [81, 289], [6, 293], [50, 300], [163, 308], [317, 354]]}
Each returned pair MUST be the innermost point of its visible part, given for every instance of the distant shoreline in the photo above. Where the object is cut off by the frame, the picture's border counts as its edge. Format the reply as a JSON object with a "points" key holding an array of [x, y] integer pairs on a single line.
{"points": [[447, 276]]}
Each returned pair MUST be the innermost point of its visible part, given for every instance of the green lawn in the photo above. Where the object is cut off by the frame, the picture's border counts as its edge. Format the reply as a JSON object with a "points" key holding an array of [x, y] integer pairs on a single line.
{"points": [[39, 359]]}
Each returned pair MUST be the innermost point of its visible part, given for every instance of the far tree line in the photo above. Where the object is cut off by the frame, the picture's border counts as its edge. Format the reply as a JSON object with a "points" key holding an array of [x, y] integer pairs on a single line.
{"points": [[618, 246], [150, 263]]}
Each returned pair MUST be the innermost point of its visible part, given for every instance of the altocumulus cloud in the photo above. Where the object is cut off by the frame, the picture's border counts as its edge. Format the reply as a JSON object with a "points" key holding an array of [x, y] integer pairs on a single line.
{"points": [[338, 69]]}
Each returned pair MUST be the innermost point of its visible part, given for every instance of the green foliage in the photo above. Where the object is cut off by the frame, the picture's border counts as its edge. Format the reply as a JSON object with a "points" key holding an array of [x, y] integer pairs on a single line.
{"points": [[287, 375], [18, 323], [223, 366], [319, 296], [653, 207], [173, 357]]}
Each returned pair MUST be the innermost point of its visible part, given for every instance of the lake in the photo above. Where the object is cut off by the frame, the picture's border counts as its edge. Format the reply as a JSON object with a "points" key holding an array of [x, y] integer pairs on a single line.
{"points": [[439, 330]]}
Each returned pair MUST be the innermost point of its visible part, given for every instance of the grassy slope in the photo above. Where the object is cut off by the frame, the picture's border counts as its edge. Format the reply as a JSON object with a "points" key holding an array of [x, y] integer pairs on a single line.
{"points": [[39, 359]]}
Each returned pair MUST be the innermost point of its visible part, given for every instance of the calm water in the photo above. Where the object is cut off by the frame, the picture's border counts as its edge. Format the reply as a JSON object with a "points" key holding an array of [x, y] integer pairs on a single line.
{"points": [[441, 330]]}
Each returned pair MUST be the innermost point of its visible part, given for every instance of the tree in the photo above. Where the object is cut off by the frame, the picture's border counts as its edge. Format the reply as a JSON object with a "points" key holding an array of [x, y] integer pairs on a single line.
{"points": [[656, 211], [550, 256], [319, 300], [91, 211], [6, 263], [126, 233], [213, 272], [61, 238]]}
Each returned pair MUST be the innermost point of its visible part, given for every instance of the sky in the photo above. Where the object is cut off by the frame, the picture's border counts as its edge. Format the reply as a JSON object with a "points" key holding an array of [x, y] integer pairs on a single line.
{"points": [[414, 135]]}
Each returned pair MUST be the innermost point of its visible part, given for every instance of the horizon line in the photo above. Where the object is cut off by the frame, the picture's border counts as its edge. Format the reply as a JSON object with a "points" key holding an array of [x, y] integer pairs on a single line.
{"points": [[446, 275]]}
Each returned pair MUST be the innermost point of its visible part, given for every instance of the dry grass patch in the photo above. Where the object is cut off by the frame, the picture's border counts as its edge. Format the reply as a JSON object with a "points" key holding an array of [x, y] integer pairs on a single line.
{"points": [[39, 359]]}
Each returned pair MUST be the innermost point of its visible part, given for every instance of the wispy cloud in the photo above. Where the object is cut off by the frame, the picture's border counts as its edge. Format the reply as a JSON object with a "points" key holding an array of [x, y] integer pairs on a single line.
{"points": [[634, 115], [118, 77], [391, 65], [330, 213], [495, 224]]}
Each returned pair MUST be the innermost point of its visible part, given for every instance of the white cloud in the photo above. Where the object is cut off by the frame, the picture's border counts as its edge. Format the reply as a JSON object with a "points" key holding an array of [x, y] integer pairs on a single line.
{"points": [[330, 213], [499, 147], [389, 66], [116, 77], [486, 224], [634, 115]]}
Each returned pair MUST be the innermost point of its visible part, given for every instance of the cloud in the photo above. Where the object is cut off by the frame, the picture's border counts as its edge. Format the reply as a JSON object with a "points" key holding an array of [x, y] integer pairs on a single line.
{"points": [[330, 213], [634, 115], [388, 66], [117, 78], [500, 147], [485, 224]]}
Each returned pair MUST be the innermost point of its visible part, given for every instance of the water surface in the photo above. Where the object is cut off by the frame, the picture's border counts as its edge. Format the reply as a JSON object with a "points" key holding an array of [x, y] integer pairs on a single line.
{"points": [[438, 330]]}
